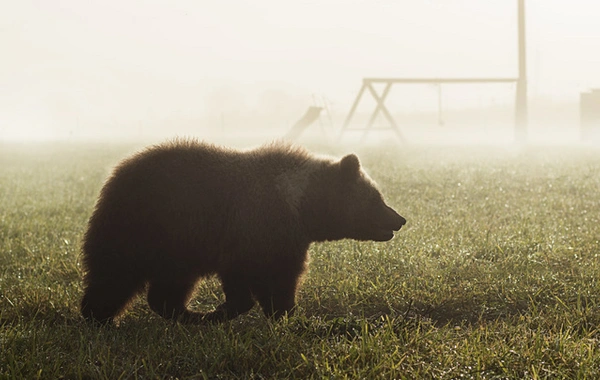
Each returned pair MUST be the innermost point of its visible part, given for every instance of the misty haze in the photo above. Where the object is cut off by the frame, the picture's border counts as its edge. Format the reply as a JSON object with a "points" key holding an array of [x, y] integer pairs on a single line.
{"points": [[435, 162], [135, 70]]}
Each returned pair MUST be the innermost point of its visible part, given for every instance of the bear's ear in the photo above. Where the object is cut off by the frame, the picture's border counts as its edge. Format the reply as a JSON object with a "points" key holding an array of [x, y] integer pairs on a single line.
{"points": [[350, 166]]}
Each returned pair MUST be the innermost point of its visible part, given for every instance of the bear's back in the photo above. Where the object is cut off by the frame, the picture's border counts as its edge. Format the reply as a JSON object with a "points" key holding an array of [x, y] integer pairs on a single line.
{"points": [[187, 194]]}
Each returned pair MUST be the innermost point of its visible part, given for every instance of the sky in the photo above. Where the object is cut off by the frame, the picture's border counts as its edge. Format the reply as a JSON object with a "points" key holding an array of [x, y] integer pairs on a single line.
{"points": [[72, 64]]}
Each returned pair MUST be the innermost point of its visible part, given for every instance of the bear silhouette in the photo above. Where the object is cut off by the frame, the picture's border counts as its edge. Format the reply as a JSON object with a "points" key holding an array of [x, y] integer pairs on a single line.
{"points": [[183, 210]]}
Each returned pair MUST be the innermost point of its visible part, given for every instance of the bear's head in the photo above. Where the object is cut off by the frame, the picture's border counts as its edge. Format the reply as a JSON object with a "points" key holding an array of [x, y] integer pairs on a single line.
{"points": [[351, 206]]}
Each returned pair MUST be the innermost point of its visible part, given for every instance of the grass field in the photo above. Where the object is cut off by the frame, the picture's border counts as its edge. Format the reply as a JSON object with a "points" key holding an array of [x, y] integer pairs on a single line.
{"points": [[496, 275]]}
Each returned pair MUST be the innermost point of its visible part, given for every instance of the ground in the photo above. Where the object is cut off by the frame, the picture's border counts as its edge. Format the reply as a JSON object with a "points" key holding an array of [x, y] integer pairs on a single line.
{"points": [[495, 276]]}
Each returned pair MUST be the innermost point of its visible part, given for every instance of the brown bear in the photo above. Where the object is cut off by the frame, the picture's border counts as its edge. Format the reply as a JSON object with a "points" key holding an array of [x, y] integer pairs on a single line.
{"points": [[184, 210]]}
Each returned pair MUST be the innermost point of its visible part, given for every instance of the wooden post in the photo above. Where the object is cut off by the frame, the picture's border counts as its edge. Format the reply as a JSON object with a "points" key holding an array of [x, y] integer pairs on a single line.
{"points": [[521, 114], [352, 110]]}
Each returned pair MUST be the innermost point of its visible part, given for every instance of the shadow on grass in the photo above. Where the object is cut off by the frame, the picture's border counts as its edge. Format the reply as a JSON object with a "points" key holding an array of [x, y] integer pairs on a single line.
{"points": [[348, 323], [576, 311], [455, 311], [466, 312]]}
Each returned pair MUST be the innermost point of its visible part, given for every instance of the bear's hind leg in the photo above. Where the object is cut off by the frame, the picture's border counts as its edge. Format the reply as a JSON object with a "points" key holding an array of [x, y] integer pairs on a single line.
{"points": [[105, 299], [238, 298]]}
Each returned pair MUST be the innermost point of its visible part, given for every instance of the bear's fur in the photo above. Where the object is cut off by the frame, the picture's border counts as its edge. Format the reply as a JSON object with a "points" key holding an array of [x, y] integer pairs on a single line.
{"points": [[184, 210]]}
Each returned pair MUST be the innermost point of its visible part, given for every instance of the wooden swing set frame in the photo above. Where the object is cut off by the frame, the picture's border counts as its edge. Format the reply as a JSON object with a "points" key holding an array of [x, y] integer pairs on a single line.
{"points": [[380, 99], [521, 113]]}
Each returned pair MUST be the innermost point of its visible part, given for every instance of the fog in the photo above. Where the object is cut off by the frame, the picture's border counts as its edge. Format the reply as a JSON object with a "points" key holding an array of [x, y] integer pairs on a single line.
{"points": [[147, 70]]}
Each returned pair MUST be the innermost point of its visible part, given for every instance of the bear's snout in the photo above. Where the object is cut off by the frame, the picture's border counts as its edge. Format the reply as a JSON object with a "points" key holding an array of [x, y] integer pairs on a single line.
{"points": [[397, 221], [387, 222]]}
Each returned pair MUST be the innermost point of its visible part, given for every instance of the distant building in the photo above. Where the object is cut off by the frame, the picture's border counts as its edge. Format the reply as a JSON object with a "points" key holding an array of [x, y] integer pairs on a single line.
{"points": [[589, 112]]}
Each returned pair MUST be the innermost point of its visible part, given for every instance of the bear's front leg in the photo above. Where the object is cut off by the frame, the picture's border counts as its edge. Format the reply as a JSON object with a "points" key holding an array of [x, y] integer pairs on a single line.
{"points": [[169, 297], [238, 298], [276, 295]]}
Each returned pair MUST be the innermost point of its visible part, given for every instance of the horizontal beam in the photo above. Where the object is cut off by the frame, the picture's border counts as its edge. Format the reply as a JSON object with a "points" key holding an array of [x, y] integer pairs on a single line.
{"points": [[439, 80]]}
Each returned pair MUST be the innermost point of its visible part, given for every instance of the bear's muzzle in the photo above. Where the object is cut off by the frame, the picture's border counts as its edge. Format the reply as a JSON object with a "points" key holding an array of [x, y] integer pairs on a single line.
{"points": [[389, 222]]}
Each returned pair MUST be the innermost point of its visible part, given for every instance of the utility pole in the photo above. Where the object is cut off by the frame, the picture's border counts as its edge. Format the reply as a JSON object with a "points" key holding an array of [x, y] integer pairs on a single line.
{"points": [[521, 114]]}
